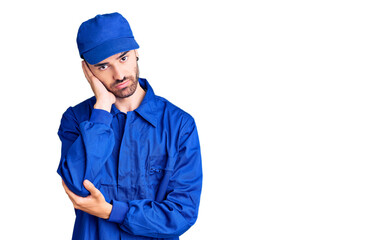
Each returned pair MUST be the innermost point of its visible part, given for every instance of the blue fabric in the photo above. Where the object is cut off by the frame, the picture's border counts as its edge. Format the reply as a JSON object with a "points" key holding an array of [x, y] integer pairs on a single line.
{"points": [[146, 162], [103, 36]]}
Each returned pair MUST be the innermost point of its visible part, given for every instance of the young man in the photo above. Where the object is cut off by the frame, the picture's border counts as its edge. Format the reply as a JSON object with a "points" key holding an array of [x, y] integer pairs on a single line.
{"points": [[130, 160]]}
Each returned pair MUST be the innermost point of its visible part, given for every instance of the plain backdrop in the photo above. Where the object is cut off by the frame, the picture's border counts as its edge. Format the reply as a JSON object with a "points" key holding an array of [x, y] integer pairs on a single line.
{"points": [[291, 100]]}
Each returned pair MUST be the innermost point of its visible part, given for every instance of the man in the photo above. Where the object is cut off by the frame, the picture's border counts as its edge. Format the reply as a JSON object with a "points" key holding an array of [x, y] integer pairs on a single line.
{"points": [[130, 160]]}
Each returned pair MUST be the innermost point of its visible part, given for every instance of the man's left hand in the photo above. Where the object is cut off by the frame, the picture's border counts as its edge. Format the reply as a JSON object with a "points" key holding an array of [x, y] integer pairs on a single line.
{"points": [[94, 204]]}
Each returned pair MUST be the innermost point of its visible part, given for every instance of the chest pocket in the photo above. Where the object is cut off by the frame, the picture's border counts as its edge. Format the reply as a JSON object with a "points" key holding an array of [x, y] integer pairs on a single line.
{"points": [[157, 165], [159, 173]]}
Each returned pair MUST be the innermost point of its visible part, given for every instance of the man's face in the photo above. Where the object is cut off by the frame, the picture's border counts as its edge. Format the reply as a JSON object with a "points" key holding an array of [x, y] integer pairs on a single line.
{"points": [[118, 73]]}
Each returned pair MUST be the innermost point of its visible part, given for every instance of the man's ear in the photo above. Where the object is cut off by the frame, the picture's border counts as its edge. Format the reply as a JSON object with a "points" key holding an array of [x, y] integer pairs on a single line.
{"points": [[135, 52]]}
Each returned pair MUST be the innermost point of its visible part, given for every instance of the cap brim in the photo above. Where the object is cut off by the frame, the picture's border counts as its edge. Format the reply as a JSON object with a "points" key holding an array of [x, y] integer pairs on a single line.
{"points": [[109, 48]]}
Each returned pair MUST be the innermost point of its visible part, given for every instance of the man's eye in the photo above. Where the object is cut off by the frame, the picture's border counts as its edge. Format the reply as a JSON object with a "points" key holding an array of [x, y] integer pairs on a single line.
{"points": [[123, 59], [103, 67]]}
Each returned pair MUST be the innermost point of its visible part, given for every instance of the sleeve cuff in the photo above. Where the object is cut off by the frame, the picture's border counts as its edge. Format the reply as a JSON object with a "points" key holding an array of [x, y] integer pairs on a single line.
{"points": [[101, 116], [118, 212]]}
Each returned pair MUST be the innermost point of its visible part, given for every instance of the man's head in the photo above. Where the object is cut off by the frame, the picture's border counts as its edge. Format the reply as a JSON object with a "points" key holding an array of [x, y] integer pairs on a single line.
{"points": [[107, 44]]}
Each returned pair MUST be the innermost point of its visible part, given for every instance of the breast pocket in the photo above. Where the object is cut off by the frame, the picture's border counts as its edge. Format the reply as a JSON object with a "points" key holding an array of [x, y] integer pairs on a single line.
{"points": [[159, 174], [156, 168]]}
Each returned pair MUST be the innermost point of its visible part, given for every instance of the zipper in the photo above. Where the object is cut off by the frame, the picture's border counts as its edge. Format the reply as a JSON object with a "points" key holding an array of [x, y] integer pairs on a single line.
{"points": [[152, 170]]}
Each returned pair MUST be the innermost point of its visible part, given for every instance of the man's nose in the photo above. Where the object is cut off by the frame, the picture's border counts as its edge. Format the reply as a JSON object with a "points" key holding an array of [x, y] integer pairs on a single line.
{"points": [[117, 73]]}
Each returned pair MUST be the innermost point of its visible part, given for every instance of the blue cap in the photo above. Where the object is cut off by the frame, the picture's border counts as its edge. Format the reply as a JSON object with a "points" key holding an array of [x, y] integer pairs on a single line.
{"points": [[103, 36]]}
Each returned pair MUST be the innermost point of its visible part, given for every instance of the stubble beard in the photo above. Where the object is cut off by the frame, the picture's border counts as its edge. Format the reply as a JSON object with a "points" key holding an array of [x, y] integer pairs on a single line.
{"points": [[129, 90]]}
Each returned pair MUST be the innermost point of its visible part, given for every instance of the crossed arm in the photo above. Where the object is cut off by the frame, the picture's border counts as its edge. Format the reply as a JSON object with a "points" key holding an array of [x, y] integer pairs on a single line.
{"points": [[164, 217]]}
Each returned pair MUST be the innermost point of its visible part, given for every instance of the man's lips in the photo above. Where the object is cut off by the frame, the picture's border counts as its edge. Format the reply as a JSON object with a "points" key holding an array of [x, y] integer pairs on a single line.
{"points": [[122, 85]]}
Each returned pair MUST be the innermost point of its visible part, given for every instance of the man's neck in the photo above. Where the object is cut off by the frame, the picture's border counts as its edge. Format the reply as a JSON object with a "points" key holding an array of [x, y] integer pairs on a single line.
{"points": [[131, 103]]}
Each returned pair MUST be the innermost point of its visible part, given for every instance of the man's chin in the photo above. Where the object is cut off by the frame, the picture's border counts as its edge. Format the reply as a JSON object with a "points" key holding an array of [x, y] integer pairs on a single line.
{"points": [[125, 93]]}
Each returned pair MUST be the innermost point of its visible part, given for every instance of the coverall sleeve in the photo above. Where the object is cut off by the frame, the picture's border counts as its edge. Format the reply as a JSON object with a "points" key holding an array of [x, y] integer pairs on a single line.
{"points": [[85, 148], [178, 210]]}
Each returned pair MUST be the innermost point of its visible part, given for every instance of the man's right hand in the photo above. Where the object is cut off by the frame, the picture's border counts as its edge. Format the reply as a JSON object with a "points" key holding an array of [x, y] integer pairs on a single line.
{"points": [[104, 98]]}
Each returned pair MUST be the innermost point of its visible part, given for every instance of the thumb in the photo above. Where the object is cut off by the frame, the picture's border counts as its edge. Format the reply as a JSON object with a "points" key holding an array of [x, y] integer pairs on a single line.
{"points": [[90, 187]]}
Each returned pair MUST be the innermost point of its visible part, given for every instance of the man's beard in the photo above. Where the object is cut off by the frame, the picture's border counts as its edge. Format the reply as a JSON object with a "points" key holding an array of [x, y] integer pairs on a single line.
{"points": [[127, 91]]}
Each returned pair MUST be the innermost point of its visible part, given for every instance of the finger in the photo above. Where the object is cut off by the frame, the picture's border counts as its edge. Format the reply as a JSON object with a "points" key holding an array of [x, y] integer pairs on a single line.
{"points": [[83, 66], [86, 70], [65, 187], [71, 195], [68, 192], [91, 188]]}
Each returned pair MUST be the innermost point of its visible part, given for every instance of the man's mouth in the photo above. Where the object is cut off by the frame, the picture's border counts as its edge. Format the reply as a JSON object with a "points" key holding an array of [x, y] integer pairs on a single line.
{"points": [[122, 85]]}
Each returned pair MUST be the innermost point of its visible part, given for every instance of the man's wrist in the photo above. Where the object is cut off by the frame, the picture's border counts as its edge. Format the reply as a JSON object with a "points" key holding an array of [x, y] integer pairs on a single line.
{"points": [[103, 106], [108, 208]]}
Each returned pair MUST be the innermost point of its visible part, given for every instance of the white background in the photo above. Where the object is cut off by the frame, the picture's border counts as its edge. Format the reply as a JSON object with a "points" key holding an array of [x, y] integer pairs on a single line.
{"points": [[291, 99]]}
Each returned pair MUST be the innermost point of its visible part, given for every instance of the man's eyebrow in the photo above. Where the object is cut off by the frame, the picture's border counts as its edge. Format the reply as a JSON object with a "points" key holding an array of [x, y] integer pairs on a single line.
{"points": [[105, 63], [100, 64], [123, 54]]}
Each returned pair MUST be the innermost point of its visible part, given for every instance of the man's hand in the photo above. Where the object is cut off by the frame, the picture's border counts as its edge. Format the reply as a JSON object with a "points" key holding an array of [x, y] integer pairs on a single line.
{"points": [[104, 98], [94, 204]]}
